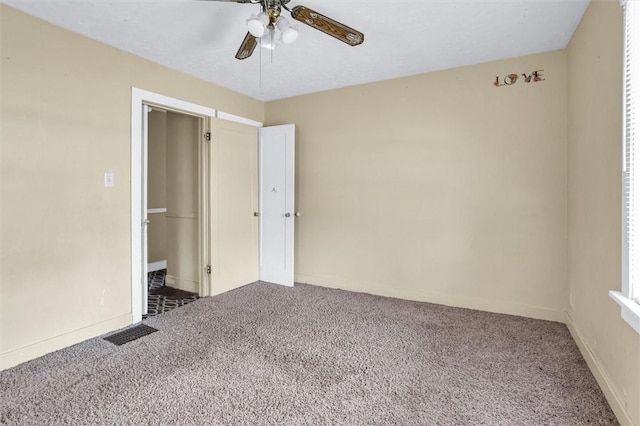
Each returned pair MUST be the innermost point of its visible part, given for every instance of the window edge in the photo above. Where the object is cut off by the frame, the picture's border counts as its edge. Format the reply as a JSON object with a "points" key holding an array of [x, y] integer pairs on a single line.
{"points": [[629, 310]]}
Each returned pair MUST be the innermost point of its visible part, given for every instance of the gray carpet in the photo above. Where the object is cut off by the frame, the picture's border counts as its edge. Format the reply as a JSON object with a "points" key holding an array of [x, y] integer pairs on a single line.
{"points": [[265, 354]]}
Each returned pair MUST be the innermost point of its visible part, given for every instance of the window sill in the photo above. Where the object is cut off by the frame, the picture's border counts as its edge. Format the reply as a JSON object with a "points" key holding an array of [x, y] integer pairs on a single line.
{"points": [[629, 309]]}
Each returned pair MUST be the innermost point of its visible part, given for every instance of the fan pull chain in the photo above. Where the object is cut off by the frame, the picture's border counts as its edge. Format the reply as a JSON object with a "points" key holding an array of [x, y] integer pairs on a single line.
{"points": [[260, 65], [272, 45]]}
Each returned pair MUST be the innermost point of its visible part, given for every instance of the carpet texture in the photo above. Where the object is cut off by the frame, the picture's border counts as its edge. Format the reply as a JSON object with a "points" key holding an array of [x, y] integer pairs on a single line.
{"points": [[265, 355]]}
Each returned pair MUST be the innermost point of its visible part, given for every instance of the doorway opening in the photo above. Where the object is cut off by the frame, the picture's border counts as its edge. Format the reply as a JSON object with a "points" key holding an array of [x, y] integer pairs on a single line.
{"points": [[172, 187], [169, 198]]}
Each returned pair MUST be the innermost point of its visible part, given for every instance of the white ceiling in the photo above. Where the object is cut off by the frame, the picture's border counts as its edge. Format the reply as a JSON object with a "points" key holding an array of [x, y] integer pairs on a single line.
{"points": [[401, 37]]}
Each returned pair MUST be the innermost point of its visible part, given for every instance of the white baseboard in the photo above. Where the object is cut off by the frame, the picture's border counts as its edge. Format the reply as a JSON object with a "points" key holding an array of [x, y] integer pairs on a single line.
{"points": [[182, 284], [26, 353], [447, 299], [157, 266], [616, 403]]}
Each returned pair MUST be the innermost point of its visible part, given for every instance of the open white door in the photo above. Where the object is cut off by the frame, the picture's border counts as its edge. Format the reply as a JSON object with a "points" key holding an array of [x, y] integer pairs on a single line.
{"points": [[234, 201], [277, 168]]}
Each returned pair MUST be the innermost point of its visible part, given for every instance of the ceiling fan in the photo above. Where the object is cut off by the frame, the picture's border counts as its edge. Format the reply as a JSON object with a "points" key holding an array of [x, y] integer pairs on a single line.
{"points": [[263, 26]]}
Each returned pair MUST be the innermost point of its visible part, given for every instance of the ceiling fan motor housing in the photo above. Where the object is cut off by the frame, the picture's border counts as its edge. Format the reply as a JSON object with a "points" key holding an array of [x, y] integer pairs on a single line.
{"points": [[273, 9]]}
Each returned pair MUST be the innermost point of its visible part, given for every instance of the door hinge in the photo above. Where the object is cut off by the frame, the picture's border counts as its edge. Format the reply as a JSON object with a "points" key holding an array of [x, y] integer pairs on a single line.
{"points": [[207, 136], [208, 269]]}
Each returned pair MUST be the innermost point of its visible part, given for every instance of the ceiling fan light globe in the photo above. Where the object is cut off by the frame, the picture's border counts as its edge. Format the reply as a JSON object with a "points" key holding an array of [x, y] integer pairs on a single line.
{"points": [[255, 27], [282, 23], [257, 24], [289, 35]]}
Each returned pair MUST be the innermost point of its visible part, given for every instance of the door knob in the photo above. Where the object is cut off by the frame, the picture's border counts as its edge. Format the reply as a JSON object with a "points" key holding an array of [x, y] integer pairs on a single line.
{"points": [[297, 214]]}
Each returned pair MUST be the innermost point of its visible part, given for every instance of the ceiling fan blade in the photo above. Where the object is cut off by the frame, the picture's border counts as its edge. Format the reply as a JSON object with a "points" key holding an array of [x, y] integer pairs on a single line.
{"points": [[327, 25], [247, 47]]}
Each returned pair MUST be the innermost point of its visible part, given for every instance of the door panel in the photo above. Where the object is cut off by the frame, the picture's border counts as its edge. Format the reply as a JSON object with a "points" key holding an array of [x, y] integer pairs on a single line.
{"points": [[277, 161], [234, 195]]}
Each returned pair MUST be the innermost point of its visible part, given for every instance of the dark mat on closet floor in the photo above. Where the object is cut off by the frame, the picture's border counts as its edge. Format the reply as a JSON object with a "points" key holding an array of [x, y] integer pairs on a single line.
{"points": [[170, 292]]}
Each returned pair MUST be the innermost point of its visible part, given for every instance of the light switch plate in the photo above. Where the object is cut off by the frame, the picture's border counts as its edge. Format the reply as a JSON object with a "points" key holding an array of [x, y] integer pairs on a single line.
{"points": [[108, 180]]}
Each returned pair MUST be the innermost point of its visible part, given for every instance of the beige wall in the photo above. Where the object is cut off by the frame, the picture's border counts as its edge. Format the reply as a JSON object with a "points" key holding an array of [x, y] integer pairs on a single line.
{"points": [[182, 201], [594, 178], [437, 187], [66, 262], [157, 185]]}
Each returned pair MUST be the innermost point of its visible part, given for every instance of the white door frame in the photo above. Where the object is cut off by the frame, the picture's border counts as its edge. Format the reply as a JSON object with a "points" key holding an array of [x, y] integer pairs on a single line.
{"points": [[139, 98]]}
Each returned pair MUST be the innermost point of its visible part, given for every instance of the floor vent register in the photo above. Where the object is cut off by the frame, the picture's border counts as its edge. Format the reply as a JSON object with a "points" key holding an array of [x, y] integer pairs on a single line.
{"points": [[130, 334]]}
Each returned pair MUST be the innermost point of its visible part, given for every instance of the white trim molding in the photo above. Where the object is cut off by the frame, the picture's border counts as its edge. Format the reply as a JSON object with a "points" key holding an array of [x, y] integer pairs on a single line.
{"points": [[628, 296], [629, 309], [169, 103], [448, 299], [38, 349], [232, 117], [600, 373]]}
